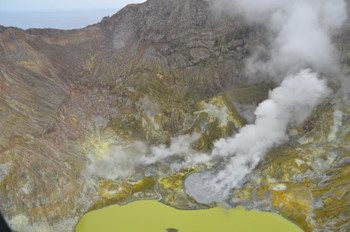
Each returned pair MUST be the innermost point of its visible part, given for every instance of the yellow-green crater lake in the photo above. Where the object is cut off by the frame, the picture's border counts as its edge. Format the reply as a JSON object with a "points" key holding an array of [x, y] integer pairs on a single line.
{"points": [[153, 216]]}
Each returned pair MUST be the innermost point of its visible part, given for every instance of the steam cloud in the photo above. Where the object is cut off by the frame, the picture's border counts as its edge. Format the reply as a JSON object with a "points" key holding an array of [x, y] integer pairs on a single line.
{"points": [[301, 32], [289, 104], [300, 46], [301, 37], [126, 161]]}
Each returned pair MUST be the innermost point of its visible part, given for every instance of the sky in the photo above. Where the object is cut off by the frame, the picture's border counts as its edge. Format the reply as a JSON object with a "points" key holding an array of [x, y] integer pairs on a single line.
{"points": [[62, 14]]}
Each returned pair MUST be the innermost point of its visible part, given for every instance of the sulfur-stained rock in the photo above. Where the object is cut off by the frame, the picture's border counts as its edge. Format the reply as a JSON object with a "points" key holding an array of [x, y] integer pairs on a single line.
{"points": [[149, 73]]}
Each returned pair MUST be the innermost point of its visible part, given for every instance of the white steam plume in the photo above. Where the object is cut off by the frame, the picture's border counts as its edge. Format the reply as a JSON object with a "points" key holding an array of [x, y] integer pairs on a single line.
{"points": [[289, 104], [301, 32], [125, 161]]}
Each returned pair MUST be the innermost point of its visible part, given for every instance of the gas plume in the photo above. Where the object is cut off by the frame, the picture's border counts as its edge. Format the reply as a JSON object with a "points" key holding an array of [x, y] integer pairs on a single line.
{"points": [[289, 104], [301, 33], [124, 161]]}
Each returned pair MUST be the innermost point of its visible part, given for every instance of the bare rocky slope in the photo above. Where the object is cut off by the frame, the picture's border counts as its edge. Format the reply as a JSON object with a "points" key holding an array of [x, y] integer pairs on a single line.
{"points": [[148, 73]]}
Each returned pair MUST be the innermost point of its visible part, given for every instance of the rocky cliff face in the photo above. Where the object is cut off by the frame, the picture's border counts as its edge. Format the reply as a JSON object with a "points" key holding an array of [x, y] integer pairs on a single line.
{"points": [[151, 72]]}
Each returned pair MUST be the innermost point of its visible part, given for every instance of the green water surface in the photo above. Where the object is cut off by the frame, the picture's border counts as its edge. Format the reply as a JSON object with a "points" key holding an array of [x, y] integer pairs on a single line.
{"points": [[152, 216]]}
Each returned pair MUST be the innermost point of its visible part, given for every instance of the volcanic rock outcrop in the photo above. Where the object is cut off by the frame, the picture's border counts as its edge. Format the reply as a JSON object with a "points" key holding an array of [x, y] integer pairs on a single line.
{"points": [[149, 73]]}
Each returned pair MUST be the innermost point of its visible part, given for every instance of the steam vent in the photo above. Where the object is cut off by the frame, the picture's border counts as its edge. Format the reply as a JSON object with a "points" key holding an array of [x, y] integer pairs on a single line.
{"points": [[193, 103]]}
